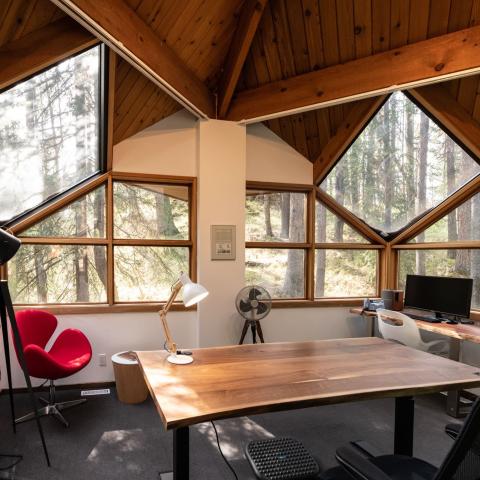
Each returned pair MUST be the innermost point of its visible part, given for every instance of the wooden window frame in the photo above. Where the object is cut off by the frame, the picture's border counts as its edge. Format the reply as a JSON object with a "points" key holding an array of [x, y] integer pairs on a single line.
{"points": [[108, 179], [310, 247]]}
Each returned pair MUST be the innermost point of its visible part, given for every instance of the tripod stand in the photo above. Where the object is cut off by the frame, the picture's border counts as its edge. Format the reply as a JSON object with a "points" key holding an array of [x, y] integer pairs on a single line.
{"points": [[6, 307]]}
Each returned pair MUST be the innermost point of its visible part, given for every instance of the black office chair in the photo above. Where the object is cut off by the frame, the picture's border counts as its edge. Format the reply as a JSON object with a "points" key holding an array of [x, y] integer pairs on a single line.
{"points": [[461, 463]]}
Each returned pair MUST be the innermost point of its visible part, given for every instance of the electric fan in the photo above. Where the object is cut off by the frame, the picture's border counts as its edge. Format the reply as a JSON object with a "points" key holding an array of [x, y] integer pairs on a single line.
{"points": [[253, 303]]}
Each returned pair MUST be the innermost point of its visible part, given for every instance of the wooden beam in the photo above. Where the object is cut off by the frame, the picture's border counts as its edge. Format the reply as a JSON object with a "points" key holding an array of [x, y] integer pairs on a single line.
{"points": [[349, 217], [453, 201], [115, 23], [43, 47], [247, 26], [441, 58], [437, 100], [354, 122]]}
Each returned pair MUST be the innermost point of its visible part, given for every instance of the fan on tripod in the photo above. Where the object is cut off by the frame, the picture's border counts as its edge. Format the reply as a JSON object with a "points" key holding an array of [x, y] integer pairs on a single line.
{"points": [[253, 303]]}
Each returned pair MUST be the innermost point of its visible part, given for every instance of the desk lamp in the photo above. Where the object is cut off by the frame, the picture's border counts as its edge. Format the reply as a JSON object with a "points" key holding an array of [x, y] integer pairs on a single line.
{"points": [[193, 293]]}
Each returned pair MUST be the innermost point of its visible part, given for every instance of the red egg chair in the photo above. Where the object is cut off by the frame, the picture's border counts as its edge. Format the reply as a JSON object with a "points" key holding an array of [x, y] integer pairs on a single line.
{"points": [[70, 353]]}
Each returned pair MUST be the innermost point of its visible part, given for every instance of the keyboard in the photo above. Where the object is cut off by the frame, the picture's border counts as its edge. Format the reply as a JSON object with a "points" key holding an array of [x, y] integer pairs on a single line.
{"points": [[425, 319]]}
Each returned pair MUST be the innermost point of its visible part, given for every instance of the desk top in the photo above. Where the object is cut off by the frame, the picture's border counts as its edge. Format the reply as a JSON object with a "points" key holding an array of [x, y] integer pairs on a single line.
{"points": [[239, 380], [458, 331]]}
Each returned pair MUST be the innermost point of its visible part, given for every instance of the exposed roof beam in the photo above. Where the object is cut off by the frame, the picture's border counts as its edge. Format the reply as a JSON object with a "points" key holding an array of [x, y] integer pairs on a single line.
{"points": [[437, 100], [115, 23], [441, 58], [247, 26], [360, 114], [43, 47], [349, 217]]}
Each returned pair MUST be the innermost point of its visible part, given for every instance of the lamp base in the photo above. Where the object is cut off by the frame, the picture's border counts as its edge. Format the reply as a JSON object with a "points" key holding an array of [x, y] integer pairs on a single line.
{"points": [[180, 359]]}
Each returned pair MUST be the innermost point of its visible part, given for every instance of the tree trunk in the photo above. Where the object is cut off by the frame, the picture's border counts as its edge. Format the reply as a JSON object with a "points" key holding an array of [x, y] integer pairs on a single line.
{"points": [[387, 166], [464, 219], [100, 257], [81, 256], [452, 216], [267, 204], [410, 160], [340, 198], [285, 217], [165, 224], [320, 260], [422, 186], [40, 274], [295, 268], [475, 257]]}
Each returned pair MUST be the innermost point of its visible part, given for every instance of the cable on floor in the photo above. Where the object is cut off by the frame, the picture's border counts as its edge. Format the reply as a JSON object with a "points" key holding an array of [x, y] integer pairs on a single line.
{"points": [[18, 459], [221, 453]]}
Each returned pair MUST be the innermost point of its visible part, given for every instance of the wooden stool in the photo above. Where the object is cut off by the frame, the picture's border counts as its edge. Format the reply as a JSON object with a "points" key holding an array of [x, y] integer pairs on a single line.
{"points": [[131, 387]]}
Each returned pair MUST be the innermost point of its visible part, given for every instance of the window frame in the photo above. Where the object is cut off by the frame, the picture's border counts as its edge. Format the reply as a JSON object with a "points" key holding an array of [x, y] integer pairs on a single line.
{"points": [[103, 86], [110, 242], [310, 247]]}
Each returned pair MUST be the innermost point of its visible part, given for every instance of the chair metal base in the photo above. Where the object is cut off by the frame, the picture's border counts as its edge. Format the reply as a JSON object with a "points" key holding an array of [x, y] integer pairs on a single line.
{"points": [[52, 408]]}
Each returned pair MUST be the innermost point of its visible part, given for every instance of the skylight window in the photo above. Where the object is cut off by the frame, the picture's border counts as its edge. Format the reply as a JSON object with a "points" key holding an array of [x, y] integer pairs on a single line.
{"points": [[399, 167], [49, 133]]}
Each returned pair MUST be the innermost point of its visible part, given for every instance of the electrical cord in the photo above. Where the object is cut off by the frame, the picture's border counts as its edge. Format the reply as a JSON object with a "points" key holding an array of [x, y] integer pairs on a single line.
{"points": [[18, 459], [221, 453]]}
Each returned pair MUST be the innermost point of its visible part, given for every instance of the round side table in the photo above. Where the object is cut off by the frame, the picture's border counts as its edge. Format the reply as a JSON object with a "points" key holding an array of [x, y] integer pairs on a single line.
{"points": [[131, 387]]}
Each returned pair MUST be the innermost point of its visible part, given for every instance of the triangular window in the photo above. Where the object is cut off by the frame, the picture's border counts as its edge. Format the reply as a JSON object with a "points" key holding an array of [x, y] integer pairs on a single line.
{"points": [[85, 217], [330, 228], [49, 133], [400, 166]]}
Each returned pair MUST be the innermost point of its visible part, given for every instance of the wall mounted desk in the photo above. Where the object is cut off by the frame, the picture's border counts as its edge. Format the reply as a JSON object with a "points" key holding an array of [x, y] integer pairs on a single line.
{"points": [[456, 334], [242, 380]]}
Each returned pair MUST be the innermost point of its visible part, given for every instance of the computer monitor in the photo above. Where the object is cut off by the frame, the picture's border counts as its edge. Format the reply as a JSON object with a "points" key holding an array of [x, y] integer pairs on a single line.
{"points": [[447, 295]]}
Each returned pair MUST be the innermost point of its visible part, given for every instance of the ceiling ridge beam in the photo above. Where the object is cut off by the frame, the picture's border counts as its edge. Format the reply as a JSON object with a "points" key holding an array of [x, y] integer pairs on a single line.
{"points": [[349, 217], [248, 22], [439, 102], [116, 24], [441, 58], [41, 48], [355, 121]]}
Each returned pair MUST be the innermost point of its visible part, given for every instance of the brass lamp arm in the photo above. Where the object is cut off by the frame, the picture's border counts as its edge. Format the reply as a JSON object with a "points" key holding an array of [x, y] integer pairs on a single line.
{"points": [[171, 345]]}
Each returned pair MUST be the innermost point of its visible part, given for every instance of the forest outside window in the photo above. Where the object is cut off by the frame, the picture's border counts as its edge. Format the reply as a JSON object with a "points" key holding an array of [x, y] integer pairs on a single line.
{"points": [[49, 133], [125, 241]]}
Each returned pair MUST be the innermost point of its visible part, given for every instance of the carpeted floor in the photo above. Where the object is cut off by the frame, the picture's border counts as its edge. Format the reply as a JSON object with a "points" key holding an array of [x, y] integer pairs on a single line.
{"points": [[109, 440]]}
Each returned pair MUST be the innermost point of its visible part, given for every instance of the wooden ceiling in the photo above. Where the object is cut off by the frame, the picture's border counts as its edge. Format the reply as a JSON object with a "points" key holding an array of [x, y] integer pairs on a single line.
{"points": [[293, 37]]}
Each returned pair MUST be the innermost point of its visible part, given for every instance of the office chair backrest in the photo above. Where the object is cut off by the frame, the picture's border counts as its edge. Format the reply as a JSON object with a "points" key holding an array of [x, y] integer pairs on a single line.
{"points": [[463, 460], [402, 329]]}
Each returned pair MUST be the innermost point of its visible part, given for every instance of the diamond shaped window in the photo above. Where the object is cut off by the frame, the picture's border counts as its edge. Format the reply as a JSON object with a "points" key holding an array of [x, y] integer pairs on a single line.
{"points": [[400, 166]]}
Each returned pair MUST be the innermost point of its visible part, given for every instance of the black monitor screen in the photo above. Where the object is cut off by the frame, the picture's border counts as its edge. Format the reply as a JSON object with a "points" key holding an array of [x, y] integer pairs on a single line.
{"points": [[439, 294]]}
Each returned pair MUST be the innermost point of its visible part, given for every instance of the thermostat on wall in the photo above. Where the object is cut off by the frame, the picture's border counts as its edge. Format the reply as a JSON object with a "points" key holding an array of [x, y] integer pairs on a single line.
{"points": [[223, 242]]}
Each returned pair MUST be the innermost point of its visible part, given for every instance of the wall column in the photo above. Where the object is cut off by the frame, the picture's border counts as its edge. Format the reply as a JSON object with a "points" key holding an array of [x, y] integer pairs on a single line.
{"points": [[221, 201]]}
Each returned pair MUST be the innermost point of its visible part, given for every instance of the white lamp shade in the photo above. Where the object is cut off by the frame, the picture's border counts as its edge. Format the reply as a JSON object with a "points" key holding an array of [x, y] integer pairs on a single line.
{"points": [[193, 293]]}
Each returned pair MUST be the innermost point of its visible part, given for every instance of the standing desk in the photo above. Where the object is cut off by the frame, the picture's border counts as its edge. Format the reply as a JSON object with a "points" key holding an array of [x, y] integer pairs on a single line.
{"points": [[233, 381], [456, 334]]}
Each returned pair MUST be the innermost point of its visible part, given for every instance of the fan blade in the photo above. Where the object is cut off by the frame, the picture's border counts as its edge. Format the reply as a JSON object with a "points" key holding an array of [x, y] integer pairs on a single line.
{"points": [[254, 293], [262, 308], [244, 306]]}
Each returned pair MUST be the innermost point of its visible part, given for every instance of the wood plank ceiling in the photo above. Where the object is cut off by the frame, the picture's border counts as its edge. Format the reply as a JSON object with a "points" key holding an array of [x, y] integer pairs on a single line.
{"points": [[294, 37]]}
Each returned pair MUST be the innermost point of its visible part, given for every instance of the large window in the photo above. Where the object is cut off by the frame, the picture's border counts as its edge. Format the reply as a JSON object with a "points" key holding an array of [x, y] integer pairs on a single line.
{"points": [[126, 240], [400, 166], [49, 133], [299, 249]]}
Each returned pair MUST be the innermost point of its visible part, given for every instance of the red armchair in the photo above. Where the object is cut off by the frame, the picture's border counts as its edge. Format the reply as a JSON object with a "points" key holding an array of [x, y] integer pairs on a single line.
{"points": [[70, 353]]}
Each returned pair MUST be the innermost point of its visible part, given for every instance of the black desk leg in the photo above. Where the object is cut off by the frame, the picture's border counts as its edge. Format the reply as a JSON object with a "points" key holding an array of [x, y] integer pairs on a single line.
{"points": [[181, 454], [404, 415]]}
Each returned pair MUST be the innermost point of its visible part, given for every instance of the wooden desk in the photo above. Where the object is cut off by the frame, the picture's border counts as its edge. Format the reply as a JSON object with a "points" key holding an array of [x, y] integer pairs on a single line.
{"points": [[249, 379], [455, 332]]}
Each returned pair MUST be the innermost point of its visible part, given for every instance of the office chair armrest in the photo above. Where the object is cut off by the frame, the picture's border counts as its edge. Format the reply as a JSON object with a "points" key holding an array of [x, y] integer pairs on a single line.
{"points": [[359, 465], [434, 343], [453, 429]]}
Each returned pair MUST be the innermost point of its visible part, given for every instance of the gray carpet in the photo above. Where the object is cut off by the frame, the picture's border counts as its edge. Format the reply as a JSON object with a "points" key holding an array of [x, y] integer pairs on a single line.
{"points": [[110, 440]]}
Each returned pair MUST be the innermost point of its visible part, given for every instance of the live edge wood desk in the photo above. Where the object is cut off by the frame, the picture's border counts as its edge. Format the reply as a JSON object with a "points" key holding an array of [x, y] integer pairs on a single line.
{"points": [[249, 379], [456, 334]]}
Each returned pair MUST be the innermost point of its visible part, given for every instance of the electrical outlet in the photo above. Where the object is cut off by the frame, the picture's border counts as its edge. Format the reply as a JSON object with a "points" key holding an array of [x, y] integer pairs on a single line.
{"points": [[102, 360]]}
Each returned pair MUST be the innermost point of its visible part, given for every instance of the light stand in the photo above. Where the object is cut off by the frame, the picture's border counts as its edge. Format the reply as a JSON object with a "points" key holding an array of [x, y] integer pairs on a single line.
{"points": [[193, 293], [8, 248]]}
